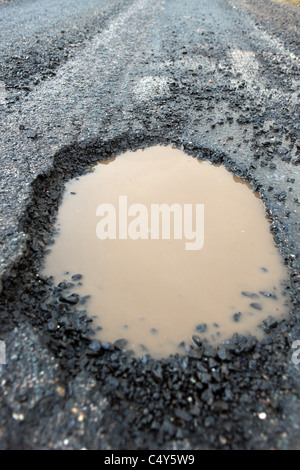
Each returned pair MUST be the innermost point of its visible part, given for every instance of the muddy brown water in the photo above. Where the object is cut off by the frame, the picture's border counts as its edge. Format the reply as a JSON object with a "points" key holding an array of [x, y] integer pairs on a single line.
{"points": [[156, 293]]}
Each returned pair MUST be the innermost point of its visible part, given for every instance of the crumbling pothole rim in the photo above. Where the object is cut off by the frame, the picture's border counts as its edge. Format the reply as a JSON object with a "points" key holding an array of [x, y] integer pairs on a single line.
{"points": [[74, 160], [76, 356]]}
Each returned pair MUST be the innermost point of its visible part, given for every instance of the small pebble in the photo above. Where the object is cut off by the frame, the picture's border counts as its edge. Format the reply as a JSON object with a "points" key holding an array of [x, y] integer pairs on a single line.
{"points": [[251, 295], [256, 306], [270, 296], [201, 328], [237, 316]]}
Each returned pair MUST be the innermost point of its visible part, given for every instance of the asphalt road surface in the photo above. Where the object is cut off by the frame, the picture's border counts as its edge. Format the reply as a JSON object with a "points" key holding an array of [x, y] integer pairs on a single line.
{"points": [[80, 81]]}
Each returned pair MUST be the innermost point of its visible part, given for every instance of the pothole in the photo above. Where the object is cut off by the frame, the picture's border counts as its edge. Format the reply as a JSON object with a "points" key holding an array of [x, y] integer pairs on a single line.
{"points": [[168, 247]]}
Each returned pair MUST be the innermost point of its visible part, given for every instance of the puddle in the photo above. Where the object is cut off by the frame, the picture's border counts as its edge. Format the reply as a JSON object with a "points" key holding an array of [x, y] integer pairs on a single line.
{"points": [[158, 293]]}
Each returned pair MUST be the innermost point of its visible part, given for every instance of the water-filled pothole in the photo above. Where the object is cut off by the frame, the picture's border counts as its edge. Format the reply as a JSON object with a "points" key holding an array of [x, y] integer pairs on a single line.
{"points": [[168, 247]]}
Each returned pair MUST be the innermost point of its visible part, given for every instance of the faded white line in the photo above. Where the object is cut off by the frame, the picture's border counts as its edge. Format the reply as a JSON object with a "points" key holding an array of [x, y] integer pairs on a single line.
{"points": [[3, 93]]}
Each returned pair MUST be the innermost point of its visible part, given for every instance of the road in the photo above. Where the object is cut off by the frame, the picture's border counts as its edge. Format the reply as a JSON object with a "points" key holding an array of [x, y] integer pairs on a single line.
{"points": [[86, 79]]}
